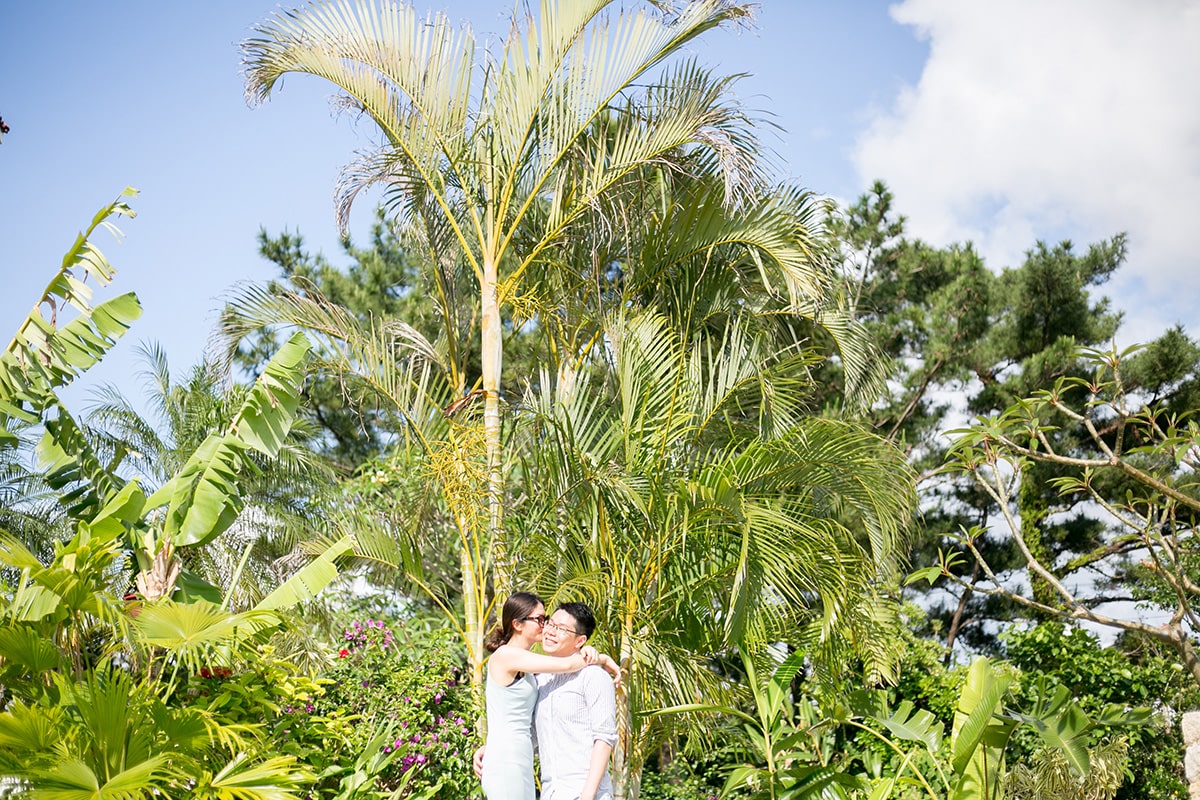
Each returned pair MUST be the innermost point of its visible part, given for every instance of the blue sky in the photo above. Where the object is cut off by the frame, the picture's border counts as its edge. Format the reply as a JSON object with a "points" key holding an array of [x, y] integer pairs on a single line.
{"points": [[999, 123]]}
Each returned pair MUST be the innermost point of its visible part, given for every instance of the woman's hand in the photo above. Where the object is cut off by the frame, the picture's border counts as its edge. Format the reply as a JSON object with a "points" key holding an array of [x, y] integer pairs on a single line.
{"points": [[593, 656], [613, 668]]}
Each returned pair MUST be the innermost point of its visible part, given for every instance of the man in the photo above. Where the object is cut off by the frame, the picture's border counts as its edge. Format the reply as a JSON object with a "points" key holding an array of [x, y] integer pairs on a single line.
{"points": [[575, 720]]}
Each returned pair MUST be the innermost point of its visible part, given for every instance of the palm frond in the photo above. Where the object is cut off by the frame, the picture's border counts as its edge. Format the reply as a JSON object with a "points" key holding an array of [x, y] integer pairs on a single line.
{"points": [[412, 76], [277, 778], [390, 359], [74, 779]]}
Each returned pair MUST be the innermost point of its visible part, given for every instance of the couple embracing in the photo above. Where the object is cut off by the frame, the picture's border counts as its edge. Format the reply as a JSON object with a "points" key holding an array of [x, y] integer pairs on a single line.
{"points": [[564, 699]]}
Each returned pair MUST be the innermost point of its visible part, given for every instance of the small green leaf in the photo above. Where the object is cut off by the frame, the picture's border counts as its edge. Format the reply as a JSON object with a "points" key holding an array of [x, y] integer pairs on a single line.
{"points": [[928, 574]]}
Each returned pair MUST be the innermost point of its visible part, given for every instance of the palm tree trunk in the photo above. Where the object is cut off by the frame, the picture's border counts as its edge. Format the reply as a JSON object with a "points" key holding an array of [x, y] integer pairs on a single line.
{"points": [[626, 779], [474, 627], [624, 785], [491, 356]]}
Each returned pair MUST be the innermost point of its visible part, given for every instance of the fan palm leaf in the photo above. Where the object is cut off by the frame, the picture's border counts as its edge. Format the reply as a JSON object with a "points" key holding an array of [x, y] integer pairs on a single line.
{"points": [[194, 632]]}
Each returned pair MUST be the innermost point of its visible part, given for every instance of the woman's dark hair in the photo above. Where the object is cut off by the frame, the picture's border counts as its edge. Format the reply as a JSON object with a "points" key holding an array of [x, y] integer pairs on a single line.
{"points": [[516, 608]]}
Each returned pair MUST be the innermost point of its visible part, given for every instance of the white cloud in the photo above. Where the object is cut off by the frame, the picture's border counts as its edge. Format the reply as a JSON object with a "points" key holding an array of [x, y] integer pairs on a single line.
{"points": [[1049, 120]]}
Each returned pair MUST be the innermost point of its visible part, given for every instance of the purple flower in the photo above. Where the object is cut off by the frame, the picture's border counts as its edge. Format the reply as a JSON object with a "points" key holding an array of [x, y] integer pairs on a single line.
{"points": [[421, 759]]}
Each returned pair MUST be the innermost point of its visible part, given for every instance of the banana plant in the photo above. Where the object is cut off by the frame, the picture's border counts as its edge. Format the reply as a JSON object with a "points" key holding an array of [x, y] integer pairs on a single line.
{"points": [[47, 353], [63, 336], [202, 499], [90, 681]]}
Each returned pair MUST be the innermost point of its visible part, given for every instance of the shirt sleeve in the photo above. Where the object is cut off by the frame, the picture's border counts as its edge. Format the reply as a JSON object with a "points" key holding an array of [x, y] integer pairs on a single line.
{"points": [[602, 705]]}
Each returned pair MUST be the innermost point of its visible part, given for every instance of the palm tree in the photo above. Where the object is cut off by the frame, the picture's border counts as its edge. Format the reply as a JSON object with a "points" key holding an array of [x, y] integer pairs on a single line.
{"points": [[740, 259], [424, 497], [494, 176], [664, 495]]}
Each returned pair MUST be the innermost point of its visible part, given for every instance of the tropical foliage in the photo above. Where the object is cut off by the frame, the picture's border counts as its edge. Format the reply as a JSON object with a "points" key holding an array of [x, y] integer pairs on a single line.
{"points": [[593, 349]]}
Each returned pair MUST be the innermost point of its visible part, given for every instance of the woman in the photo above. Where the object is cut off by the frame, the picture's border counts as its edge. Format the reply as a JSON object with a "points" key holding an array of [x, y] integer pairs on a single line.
{"points": [[511, 693]]}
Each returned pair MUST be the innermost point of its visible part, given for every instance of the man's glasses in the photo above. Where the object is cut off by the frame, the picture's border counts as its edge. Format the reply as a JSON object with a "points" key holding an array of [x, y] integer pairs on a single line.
{"points": [[540, 620], [554, 626]]}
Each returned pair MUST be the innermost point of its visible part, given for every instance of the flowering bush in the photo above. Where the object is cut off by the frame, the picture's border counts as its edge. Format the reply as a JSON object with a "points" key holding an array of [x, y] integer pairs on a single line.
{"points": [[408, 687], [388, 718]]}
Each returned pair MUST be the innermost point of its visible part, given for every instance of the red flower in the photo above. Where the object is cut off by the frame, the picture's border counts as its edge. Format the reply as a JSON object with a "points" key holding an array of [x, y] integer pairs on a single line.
{"points": [[343, 653], [219, 673]]}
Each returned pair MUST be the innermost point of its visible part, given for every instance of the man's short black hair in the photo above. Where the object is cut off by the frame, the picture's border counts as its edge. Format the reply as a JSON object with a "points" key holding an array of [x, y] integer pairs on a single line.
{"points": [[585, 620]]}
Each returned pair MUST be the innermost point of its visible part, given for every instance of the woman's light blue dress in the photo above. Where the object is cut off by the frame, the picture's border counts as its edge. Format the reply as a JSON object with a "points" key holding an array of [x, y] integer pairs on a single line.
{"points": [[508, 755]]}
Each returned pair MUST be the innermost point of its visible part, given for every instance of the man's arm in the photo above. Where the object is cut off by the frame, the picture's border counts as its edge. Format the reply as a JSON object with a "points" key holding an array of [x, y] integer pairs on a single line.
{"points": [[599, 765], [602, 712]]}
